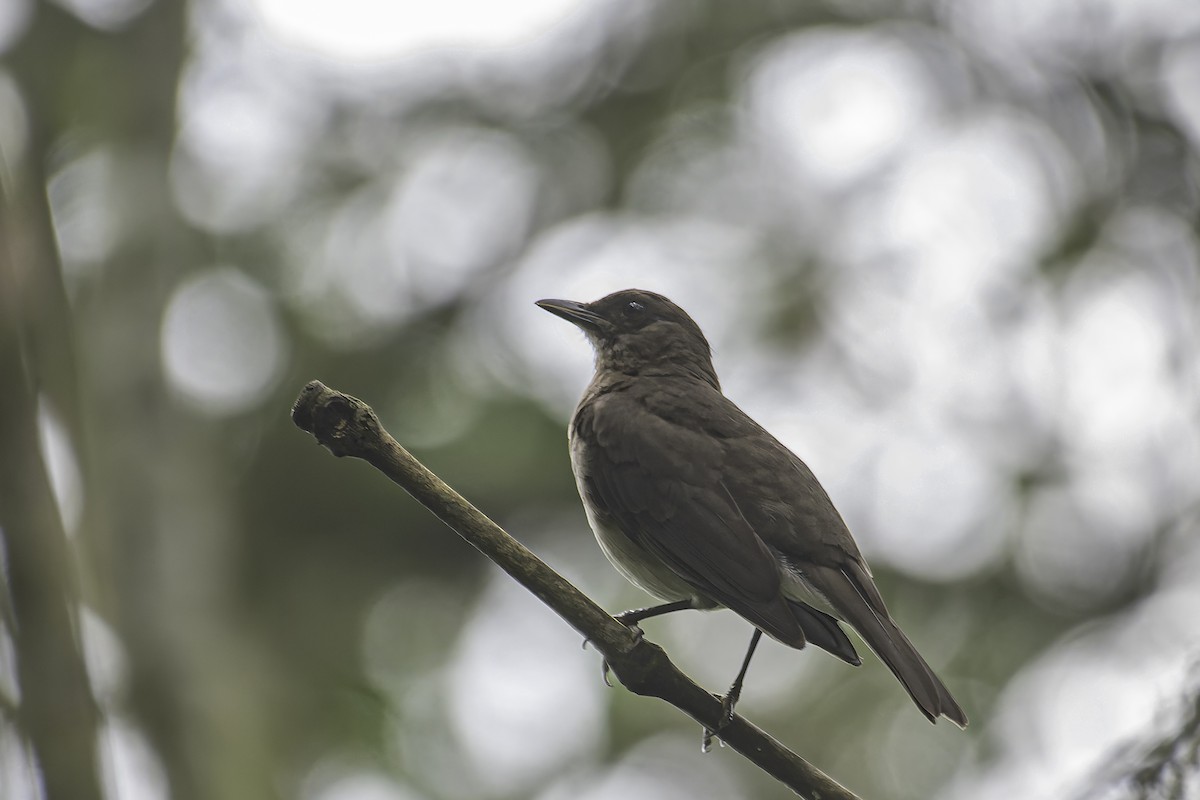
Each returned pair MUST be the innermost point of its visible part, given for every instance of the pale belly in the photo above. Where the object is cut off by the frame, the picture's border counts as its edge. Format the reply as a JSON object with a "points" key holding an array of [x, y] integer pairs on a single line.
{"points": [[639, 567]]}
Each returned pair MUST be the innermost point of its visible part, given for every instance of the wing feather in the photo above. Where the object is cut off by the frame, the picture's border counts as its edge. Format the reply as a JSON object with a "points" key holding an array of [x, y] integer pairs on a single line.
{"points": [[662, 484]]}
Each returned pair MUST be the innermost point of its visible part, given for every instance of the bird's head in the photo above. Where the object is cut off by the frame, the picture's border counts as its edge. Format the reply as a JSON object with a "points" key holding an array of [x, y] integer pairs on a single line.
{"points": [[640, 333]]}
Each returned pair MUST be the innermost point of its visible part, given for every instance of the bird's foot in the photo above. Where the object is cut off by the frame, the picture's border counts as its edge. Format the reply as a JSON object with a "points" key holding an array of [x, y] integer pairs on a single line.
{"points": [[629, 622], [727, 704], [630, 619]]}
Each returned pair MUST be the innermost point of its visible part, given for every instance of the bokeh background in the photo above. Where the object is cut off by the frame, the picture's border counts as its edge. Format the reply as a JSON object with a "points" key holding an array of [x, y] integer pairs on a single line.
{"points": [[945, 249]]}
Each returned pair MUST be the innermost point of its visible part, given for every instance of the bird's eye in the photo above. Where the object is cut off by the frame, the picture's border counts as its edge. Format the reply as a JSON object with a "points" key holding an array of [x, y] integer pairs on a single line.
{"points": [[634, 307]]}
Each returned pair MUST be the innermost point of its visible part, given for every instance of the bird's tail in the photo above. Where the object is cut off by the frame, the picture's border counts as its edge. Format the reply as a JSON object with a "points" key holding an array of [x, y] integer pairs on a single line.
{"points": [[854, 596], [923, 685]]}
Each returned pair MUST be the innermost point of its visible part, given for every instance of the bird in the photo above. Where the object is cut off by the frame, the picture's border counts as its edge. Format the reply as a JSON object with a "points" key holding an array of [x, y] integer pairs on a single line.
{"points": [[698, 505]]}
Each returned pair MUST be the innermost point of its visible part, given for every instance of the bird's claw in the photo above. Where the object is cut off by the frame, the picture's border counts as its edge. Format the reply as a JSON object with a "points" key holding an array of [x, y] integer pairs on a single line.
{"points": [[727, 704], [629, 619], [638, 636]]}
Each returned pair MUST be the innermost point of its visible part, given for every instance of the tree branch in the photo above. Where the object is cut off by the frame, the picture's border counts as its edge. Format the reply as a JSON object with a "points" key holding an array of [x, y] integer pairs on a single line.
{"points": [[348, 427]]}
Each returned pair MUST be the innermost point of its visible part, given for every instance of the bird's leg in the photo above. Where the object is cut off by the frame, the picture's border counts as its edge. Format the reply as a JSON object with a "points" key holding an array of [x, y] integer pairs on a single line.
{"points": [[731, 697], [631, 618]]}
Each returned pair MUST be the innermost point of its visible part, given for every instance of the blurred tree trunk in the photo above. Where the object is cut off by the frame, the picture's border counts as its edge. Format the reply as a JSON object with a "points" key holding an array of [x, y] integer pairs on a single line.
{"points": [[57, 712], [115, 92]]}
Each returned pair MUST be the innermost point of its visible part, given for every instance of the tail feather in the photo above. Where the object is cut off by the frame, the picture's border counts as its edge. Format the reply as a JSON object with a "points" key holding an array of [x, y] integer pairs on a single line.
{"points": [[823, 631], [848, 592], [923, 685]]}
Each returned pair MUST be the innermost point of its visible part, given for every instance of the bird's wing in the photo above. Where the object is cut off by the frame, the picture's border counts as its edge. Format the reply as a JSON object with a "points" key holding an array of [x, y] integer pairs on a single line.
{"points": [[662, 484], [791, 512]]}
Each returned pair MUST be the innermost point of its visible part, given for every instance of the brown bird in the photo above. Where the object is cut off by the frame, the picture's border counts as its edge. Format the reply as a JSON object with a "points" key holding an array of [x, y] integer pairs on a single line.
{"points": [[694, 502]]}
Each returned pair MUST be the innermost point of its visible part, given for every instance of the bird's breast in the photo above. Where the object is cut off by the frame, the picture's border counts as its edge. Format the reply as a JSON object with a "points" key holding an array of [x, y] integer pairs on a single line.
{"points": [[640, 567]]}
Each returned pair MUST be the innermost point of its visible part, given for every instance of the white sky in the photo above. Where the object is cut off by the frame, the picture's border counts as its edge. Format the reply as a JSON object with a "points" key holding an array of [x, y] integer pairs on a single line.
{"points": [[377, 30]]}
